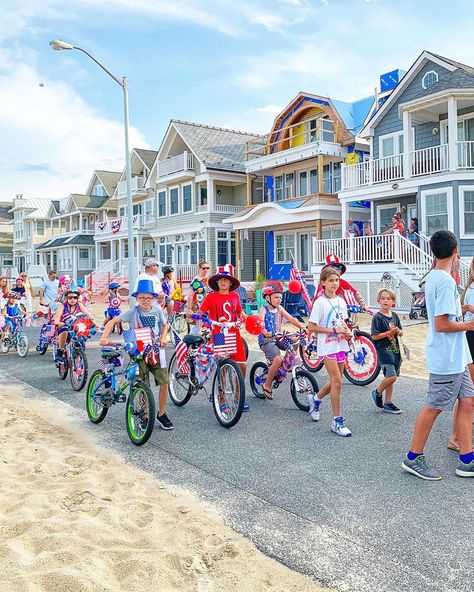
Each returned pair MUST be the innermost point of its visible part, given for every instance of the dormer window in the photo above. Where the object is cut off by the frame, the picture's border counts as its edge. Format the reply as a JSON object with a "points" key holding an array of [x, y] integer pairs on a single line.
{"points": [[429, 79]]}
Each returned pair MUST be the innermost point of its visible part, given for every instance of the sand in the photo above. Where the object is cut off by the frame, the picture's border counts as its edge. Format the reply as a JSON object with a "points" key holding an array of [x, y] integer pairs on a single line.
{"points": [[75, 518]]}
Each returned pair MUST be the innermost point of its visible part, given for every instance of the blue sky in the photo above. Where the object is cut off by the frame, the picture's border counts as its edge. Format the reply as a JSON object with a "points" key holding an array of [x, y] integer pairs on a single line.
{"points": [[233, 63]]}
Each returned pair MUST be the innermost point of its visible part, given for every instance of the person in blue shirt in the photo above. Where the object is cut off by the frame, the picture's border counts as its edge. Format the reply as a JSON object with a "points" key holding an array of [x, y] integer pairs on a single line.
{"points": [[11, 311], [447, 358]]}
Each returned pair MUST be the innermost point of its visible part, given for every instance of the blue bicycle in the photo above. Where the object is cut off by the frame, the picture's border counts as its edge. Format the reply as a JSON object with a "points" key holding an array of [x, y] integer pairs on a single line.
{"points": [[115, 383]]}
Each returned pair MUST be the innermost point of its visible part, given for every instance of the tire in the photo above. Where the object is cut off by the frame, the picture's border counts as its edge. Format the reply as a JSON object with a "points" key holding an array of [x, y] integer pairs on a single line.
{"points": [[63, 368], [22, 345], [4, 346], [311, 361], [364, 370], [95, 410], [307, 385], [228, 393], [424, 313], [179, 389], [140, 413], [410, 315], [79, 369], [246, 349], [257, 377], [42, 350]]}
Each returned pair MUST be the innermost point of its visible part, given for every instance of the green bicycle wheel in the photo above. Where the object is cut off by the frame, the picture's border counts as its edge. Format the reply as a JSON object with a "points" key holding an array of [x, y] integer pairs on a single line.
{"points": [[95, 410], [140, 413]]}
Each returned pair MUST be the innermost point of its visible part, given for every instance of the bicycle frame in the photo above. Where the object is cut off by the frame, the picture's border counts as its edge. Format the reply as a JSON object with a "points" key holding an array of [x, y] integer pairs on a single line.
{"points": [[130, 373]]}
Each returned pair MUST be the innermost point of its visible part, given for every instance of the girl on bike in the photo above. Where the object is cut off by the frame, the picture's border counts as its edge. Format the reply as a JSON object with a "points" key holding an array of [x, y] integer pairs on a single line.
{"points": [[11, 311], [271, 316], [328, 321], [66, 311], [114, 300]]}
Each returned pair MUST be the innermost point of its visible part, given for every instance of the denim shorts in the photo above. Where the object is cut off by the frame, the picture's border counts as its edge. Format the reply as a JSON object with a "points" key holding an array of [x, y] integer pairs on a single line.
{"points": [[445, 389], [391, 369]]}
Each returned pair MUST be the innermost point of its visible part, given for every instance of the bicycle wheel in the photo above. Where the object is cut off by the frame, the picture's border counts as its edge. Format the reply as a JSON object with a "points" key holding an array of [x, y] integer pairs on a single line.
{"points": [[307, 385], [180, 325], [257, 378], [79, 369], [311, 361], [5, 345], [228, 393], [140, 413], [362, 366], [44, 341], [63, 367], [180, 389], [95, 410], [22, 345]]}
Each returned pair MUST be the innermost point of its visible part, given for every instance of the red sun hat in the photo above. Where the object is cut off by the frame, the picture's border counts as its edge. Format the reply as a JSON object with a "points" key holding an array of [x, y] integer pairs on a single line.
{"points": [[333, 260], [224, 272]]}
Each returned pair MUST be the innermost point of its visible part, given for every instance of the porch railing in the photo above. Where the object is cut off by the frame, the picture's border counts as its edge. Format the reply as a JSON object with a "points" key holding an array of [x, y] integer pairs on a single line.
{"points": [[465, 152], [176, 164], [389, 168], [137, 186], [430, 160]]}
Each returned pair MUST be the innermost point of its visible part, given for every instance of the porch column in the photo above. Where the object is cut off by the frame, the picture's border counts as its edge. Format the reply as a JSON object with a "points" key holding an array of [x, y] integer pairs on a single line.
{"points": [[97, 251], [140, 250], [407, 144], [371, 161], [320, 173], [237, 254], [80, 221], [452, 133], [249, 190], [344, 215], [319, 229], [372, 217], [211, 198]]}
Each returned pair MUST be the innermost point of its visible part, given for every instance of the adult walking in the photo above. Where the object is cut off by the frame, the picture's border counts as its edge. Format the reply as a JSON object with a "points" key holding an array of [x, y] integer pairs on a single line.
{"points": [[198, 288], [49, 289], [153, 274], [28, 291]]}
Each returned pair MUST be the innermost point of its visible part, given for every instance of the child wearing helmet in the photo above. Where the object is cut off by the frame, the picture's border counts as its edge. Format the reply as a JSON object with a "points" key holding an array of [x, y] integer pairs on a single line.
{"points": [[114, 300], [271, 316], [11, 311]]}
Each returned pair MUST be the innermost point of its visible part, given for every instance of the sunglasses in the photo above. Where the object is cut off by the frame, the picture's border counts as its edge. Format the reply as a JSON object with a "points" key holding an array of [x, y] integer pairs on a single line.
{"points": [[207, 268], [72, 297]]}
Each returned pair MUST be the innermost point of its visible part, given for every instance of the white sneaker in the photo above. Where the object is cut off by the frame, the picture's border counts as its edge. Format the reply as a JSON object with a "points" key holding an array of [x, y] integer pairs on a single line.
{"points": [[314, 404], [338, 426]]}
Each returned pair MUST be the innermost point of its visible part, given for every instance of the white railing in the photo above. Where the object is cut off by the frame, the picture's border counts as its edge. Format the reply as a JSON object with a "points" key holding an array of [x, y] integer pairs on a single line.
{"points": [[356, 175], [137, 186], [227, 209], [186, 272], [465, 151], [389, 168], [176, 164], [430, 160]]}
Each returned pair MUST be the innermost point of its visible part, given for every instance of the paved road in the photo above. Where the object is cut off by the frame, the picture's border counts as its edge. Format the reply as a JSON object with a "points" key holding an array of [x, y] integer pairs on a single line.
{"points": [[340, 510]]}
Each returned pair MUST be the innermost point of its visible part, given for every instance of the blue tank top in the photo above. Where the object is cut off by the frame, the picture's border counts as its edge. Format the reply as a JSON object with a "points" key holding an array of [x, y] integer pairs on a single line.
{"points": [[13, 311], [271, 323]]}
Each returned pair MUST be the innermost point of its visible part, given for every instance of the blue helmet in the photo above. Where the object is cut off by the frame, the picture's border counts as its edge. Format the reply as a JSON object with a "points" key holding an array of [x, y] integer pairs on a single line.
{"points": [[114, 285]]}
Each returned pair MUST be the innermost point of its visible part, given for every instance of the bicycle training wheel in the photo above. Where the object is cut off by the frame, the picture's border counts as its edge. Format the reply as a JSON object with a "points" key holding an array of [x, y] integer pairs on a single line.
{"points": [[95, 410], [22, 345], [180, 389], [79, 369], [306, 385], [362, 366], [311, 361], [257, 378], [228, 393], [140, 413]]}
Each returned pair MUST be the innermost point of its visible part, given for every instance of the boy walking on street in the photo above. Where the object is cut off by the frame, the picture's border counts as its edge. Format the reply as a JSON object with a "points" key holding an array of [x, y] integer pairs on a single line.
{"points": [[386, 328], [447, 356]]}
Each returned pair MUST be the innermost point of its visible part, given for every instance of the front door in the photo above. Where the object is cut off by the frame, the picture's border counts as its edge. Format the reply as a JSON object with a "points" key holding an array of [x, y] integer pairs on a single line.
{"points": [[304, 252], [384, 216]]}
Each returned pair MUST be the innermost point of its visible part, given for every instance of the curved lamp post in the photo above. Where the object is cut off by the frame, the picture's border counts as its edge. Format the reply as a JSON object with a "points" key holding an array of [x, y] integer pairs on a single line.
{"points": [[60, 45]]}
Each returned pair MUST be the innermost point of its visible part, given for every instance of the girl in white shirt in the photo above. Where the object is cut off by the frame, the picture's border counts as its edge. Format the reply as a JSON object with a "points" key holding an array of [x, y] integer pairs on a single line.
{"points": [[328, 320]]}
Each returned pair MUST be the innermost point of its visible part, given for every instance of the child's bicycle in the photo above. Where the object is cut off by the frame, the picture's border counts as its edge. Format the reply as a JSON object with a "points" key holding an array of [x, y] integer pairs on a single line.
{"points": [[15, 338], [178, 323], [113, 383], [302, 382], [79, 330], [48, 330], [189, 374], [362, 365]]}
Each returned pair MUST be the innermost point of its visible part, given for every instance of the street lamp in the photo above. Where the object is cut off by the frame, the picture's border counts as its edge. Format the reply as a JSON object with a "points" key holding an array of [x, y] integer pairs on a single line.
{"points": [[59, 45]]}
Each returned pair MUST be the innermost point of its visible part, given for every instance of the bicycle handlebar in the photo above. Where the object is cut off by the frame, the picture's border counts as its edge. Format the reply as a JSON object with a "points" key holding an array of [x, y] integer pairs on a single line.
{"points": [[208, 321]]}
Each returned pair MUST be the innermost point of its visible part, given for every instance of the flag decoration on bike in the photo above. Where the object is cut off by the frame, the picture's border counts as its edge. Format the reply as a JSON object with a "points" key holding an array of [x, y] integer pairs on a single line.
{"points": [[181, 353], [140, 337], [225, 343], [297, 275]]}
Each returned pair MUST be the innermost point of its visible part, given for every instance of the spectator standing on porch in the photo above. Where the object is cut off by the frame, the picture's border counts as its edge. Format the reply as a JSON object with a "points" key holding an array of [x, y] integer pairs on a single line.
{"points": [[352, 228], [398, 225], [412, 232]]}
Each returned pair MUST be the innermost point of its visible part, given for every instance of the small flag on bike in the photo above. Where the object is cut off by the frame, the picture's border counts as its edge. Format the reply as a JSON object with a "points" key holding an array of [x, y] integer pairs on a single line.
{"points": [[140, 337], [299, 276], [181, 353], [224, 343]]}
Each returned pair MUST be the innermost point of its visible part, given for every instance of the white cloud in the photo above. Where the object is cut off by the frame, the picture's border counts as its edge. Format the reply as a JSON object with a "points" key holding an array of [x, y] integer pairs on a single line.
{"points": [[258, 120], [53, 140]]}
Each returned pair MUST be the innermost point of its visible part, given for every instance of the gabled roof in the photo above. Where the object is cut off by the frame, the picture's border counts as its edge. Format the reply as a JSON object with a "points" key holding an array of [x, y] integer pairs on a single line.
{"points": [[88, 201], [147, 156], [215, 147], [459, 65], [109, 180], [354, 114], [457, 79], [77, 240], [39, 207]]}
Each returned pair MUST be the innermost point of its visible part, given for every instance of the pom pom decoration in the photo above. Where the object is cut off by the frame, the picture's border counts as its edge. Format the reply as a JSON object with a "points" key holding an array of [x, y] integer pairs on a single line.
{"points": [[254, 325], [294, 286]]}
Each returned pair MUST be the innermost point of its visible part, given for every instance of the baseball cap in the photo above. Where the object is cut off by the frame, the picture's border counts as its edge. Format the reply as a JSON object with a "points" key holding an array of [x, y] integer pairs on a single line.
{"points": [[151, 261]]}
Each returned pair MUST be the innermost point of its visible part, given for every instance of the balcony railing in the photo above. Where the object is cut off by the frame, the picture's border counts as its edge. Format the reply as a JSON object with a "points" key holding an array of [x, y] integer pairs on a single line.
{"points": [[426, 161], [118, 225], [138, 187], [176, 164]]}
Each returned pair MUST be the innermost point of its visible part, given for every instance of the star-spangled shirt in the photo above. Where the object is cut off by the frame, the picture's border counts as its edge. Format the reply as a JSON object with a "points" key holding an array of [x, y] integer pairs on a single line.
{"points": [[154, 319]]}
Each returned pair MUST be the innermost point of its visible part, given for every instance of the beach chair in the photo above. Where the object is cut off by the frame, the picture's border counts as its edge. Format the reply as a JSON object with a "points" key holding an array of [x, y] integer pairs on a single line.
{"points": [[242, 292], [294, 305], [252, 307]]}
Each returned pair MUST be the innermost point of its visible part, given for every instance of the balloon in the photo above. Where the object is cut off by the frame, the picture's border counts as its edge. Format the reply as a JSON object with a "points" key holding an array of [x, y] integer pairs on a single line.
{"points": [[254, 325], [294, 286]]}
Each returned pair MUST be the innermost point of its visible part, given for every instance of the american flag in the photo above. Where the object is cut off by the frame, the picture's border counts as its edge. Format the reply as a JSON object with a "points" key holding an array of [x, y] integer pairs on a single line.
{"points": [[140, 337], [181, 353], [224, 343], [299, 276]]}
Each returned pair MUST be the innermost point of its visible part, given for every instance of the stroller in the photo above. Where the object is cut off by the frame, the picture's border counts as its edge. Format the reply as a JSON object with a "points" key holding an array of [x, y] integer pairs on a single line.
{"points": [[418, 305]]}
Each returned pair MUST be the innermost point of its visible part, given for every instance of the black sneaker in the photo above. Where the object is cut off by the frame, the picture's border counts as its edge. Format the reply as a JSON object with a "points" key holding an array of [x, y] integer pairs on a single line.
{"points": [[378, 400], [391, 408], [60, 356], [164, 422]]}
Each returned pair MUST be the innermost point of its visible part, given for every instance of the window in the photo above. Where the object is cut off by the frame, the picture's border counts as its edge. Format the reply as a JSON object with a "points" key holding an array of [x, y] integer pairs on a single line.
{"points": [[391, 144], [201, 251], [169, 254], [125, 249], [327, 130], [311, 130], [437, 209], [327, 178], [289, 188], [122, 211], [174, 201], [40, 227], [137, 209], [336, 172], [303, 183], [162, 253], [429, 79], [84, 259], [149, 210], [284, 247], [99, 190], [203, 196], [278, 187], [194, 253], [466, 200], [162, 204], [225, 247], [313, 181], [187, 198]]}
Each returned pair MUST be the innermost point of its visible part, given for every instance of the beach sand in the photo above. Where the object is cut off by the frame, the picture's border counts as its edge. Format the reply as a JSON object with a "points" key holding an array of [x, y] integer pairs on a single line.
{"points": [[77, 519]]}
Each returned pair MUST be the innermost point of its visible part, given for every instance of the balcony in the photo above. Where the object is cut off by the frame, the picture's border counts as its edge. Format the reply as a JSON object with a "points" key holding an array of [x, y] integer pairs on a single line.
{"points": [[118, 227], [221, 209], [427, 161], [293, 143], [138, 187], [176, 168]]}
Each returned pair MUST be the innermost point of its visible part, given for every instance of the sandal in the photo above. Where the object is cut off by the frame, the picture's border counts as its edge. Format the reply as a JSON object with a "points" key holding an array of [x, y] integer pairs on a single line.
{"points": [[268, 394]]}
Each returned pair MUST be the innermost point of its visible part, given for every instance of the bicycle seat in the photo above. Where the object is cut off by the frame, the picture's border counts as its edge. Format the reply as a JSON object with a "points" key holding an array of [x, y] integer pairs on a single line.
{"points": [[110, 355], [193, 340]]}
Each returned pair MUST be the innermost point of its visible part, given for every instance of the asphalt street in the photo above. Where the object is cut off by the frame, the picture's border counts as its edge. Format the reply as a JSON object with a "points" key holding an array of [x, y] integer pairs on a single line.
{"points": [[338, 509]]}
